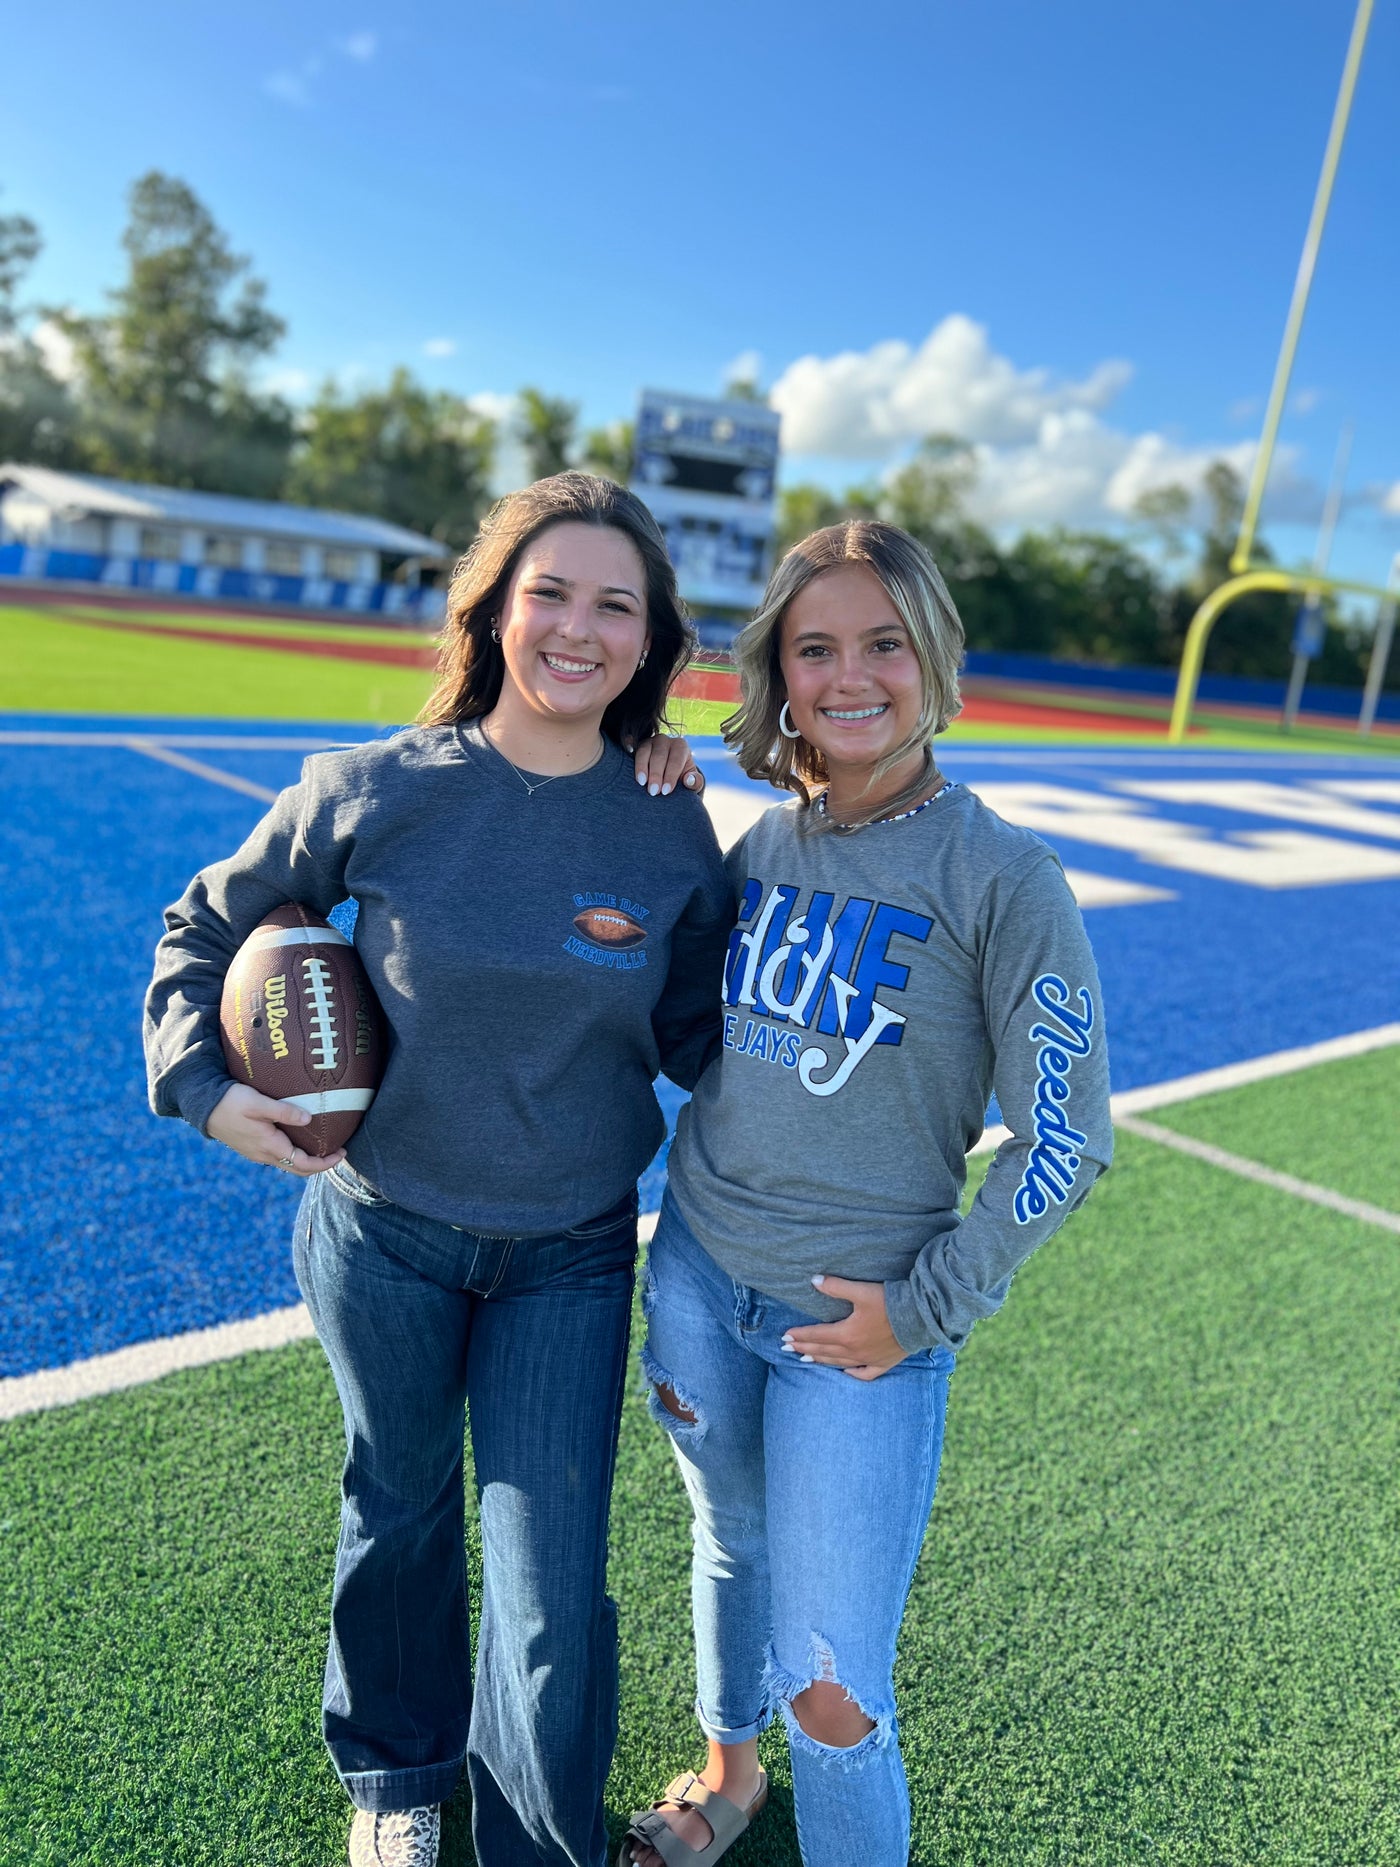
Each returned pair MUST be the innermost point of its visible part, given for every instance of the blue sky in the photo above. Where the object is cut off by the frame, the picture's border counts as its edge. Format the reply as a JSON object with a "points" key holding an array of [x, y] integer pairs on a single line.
{"points": [[1067, 232]]}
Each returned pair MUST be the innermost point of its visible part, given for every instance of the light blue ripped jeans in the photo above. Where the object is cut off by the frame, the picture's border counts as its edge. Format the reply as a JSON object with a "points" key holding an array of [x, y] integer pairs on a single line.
{"points": [[811, 1492]]}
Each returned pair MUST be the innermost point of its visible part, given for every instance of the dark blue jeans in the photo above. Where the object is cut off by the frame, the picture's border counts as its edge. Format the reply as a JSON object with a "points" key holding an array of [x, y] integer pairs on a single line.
{"points": [[419, 1319]]}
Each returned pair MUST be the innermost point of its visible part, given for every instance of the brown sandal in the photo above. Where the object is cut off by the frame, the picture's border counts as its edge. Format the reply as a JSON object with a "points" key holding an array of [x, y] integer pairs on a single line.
{"points": [[726, 1819]]}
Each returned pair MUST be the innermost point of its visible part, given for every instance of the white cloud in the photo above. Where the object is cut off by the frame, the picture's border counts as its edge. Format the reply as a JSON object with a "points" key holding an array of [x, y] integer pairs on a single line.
{"points": [[1246, 408], [288, 87], [863, 404], [1388, 499], [1044, 454], [361, 46], [56, 348], [440, 347], [1305, 401]]}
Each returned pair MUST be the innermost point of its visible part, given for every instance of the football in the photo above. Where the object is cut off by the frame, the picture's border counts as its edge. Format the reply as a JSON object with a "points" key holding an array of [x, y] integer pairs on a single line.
{"points": [[610, 927], [300, 1022]]}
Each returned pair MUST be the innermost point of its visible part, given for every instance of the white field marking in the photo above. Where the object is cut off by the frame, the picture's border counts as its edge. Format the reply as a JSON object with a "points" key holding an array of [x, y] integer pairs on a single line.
{"points": [[1107, 891], [1130, 1102], [1265, 1176], [1252, 797], [734, 808], [1364, 790], [1259, 858], [149, 1361], [195, 742], [198, 769]]}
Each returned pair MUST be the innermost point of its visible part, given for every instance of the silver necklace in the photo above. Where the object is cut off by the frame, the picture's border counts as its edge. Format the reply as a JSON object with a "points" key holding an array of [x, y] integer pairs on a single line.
{"points": [[540, 783]]}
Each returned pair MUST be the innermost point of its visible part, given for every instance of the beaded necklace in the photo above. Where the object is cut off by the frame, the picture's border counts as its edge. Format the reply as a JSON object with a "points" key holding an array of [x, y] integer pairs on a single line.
{"points": [[949, 784]]}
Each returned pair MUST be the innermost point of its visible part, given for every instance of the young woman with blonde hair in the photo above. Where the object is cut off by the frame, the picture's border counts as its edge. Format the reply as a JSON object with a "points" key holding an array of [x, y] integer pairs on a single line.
{"points": [[900, 953], [543, 940]]}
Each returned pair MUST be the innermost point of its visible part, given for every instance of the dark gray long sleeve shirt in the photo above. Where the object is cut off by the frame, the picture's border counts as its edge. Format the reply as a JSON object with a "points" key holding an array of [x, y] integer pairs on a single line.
{"points": [[524, 1041], [878, 986]]}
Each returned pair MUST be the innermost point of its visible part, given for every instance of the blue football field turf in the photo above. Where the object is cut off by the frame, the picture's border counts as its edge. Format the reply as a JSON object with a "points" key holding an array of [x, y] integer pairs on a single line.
{"points": [[1253, 933]]}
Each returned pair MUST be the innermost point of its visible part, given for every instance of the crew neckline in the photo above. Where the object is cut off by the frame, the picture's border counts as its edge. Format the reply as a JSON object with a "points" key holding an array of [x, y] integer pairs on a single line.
{"points": [[491, 761]]}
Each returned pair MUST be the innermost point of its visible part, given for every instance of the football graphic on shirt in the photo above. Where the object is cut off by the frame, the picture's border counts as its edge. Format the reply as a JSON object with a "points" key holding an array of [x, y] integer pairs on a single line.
{"points": [[610, 927], [300, 1022]]}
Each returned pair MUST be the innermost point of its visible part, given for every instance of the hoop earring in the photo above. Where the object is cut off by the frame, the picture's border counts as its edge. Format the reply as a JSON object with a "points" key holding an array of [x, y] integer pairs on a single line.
{"points": [[643, 662], [789, 731], [495, 634]]}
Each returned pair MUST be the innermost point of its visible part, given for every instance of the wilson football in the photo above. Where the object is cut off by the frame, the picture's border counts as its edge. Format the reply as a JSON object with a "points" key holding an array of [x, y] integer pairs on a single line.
{"points": [[300, 1022]]}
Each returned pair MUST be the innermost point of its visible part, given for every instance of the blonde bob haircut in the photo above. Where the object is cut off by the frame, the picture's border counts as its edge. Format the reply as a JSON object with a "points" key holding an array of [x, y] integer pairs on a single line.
{"points": [[915, 587]]}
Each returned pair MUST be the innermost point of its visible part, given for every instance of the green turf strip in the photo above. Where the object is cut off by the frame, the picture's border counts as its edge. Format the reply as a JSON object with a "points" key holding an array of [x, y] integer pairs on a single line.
{"points": [[47, 666], [1334, 1124], [258, 622], [1154, 1621]]}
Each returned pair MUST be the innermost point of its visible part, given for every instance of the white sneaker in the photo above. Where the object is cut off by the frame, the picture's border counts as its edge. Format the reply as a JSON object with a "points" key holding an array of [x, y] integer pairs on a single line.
{"points": [[394, 1838]]}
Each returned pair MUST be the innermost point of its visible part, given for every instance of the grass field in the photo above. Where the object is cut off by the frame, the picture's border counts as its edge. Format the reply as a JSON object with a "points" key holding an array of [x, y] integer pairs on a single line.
{"points": [[1154, 1622], [48, 661]]}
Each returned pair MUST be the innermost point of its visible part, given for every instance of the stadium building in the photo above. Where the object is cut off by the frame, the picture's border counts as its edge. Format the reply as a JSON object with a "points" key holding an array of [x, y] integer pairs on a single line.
{"points": [[78, 527]]}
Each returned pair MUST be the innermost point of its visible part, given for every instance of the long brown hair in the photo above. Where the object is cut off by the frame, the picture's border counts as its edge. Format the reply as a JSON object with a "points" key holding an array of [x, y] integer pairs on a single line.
{"points": [[916, 588], [470, 664]]}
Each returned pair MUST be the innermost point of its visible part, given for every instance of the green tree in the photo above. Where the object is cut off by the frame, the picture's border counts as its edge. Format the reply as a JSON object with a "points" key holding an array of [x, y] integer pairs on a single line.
{"points": [[37, 416], [20, 245], [608, 451], [166, 373], [1164, 512], [546, 427], [418, 457]]}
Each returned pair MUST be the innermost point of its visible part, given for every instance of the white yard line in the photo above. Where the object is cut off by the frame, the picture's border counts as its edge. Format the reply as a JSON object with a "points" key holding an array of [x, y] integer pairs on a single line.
{"points": [[1256, 1070], [149, 748], [201, 742], [1266, 1176], [148, 1361]]}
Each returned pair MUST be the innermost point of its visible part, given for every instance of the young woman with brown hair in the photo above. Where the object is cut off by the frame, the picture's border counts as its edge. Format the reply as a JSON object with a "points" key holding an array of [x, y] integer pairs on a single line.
{"points": [[543, 939]]}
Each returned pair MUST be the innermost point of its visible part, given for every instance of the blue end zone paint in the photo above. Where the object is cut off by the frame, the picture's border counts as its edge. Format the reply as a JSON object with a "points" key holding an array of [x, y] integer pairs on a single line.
{"points": [[117, 1227]]}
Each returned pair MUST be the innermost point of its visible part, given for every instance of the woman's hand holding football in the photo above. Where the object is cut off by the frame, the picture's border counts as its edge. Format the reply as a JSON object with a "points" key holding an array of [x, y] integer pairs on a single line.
{"points": [[260, 1129]]}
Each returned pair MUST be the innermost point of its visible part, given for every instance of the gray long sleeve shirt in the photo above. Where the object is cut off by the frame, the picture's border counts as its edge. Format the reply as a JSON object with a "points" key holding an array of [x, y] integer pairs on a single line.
{"points": [[878, 986], [524, 1034]]}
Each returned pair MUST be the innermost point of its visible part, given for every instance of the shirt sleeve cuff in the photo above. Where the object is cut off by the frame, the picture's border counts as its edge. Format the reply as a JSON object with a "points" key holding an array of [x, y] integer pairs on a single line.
{"points": [[910, 1329], [196, 1097]]}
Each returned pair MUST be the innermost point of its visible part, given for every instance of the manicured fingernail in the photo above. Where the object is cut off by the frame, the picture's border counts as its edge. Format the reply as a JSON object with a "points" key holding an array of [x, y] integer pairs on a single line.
{"points": [[690, 777], [641, 777], [666, 790], [819, 1281], [788, 1349], [654, 789], [806, 1358]]}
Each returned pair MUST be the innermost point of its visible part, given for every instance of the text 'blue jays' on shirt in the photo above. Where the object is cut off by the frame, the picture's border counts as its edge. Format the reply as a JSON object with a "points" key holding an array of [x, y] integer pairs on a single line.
{"points": [[878, 986], [525, 1035]]}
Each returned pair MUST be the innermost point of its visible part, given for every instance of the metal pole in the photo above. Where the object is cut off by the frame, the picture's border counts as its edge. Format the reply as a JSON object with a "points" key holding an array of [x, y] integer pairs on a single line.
{"points": [[1380, 654], [1313, 601], [1302, 285]]}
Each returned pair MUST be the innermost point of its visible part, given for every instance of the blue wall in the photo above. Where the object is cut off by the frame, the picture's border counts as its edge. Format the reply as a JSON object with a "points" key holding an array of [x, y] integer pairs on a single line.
{"points": [[209, 582], [1229, 689]]}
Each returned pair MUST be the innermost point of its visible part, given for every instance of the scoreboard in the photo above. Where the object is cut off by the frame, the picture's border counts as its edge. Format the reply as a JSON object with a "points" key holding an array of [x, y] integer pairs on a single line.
{"points": [[707, 469]]}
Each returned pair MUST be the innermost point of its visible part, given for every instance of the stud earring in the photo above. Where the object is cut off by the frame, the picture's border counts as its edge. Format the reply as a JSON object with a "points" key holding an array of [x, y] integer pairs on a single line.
{"points": [[789, 731]]}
